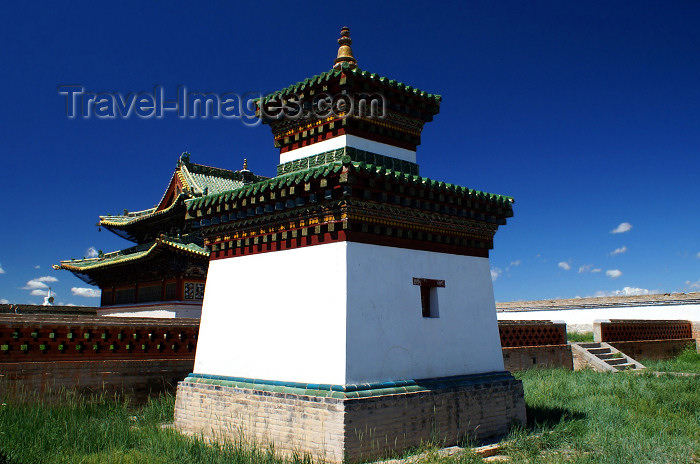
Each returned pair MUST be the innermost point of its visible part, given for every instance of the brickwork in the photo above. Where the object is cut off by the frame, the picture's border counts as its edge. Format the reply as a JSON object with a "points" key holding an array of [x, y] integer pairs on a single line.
{"points": [[42, 353], [35, 338], [634, 330], [527, 357], [581, 362], [654, 349], [696, 334], [136, 378], [531, 333], [357, 428]]}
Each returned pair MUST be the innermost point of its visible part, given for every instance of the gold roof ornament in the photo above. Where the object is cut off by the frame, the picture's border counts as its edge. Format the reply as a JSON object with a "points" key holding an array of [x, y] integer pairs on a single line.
{"points": [[345, 52]]}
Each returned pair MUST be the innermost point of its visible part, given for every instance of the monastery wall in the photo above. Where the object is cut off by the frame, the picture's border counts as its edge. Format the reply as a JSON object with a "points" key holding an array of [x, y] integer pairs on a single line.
{"points": [[41, 353]]}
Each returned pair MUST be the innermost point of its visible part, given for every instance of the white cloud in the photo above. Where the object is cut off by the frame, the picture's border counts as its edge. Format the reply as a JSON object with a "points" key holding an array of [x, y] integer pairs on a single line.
{"points": [[4, 301], [618, 251], [564, 265], [495, 272], [588, 268], [39, 282], [613, 273], [622, 228], [627, 291], [40, 292], [693, 285], [91, 253], [698, 255], [515, 263], [2, 271], [86, 292], [37, 266]]}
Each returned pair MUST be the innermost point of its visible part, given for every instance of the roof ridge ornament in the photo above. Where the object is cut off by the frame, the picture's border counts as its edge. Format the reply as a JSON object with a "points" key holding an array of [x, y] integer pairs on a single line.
{"points": [[184, 158], [345, 56]]}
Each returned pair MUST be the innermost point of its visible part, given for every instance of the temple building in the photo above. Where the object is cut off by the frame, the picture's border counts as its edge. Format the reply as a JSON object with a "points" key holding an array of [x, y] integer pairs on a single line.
{"points": [[368, 325], [164, 273]]}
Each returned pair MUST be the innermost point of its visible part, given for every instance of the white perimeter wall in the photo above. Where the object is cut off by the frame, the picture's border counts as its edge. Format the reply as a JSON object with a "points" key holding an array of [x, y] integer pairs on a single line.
{"points": [[581, 320], [345, 313], [387, 336], [349, 141], [163, 310]]}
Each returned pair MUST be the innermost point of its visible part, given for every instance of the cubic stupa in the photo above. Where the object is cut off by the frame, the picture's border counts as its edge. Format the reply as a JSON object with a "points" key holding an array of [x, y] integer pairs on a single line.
{"points": [[349, 309]]}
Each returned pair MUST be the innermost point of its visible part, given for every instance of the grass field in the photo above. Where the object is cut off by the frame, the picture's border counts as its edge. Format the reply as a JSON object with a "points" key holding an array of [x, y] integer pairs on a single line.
{"points": [[688, 361], [577, 417], [579, 336]]}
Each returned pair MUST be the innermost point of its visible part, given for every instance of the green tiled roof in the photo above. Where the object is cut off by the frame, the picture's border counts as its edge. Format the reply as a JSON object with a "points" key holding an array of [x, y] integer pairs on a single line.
{"points": [[328, 75], [342, 392], [324, 170], [130, 218], [198, 179], [202, 178], [131, 254]]}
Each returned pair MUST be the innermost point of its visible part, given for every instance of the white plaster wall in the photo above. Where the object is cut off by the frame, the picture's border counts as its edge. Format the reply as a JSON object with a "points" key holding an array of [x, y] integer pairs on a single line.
{"points": [[159, 311], [276, 316], [581, 320], [387, 336], [349, 141]]}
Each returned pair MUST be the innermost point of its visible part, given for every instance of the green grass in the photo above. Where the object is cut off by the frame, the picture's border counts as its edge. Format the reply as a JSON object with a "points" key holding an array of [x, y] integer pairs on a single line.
{"points": [[108, 430], [592, 417], [687, 361], [579, 336], [577, 417]]}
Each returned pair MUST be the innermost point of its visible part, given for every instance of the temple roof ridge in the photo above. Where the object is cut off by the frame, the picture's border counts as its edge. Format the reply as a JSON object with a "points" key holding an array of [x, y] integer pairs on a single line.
{"points": [[344, 68], [333, 167]]}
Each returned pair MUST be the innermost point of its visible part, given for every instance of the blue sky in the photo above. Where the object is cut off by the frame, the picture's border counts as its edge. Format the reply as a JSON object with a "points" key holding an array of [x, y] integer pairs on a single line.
{"points": [[586, 112]]}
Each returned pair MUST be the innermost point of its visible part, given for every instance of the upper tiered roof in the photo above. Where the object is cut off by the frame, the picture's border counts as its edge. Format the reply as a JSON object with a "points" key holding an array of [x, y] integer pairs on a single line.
{"points": [[403, 109]]}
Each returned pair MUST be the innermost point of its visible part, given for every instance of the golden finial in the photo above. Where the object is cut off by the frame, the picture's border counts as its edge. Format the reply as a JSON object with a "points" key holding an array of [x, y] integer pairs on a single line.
{"points": [[245, 164], [345, 52]]}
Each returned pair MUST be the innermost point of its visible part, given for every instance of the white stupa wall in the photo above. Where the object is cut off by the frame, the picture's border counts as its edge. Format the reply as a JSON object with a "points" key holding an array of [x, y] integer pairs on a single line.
{"points": [[349, 141], [346, 313], [387, 336], [276, 316]]}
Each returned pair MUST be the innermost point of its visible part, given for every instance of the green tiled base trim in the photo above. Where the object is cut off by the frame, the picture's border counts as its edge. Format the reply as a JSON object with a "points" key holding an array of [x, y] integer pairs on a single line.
{"points": [[354, 154], [350, 391]]}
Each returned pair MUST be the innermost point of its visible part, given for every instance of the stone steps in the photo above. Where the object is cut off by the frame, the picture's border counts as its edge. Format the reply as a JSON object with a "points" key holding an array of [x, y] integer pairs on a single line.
{"points": [[603, 357]]}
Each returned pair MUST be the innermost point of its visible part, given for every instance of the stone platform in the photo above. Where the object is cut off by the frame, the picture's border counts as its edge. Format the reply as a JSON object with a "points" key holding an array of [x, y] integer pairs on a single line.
{"points": [[338, 423]]}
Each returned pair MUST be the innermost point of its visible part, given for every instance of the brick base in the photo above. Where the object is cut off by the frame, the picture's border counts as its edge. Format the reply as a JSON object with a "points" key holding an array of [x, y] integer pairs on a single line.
{"points": [[520, 358], [135, 378], [370, 424], [654, 349]]}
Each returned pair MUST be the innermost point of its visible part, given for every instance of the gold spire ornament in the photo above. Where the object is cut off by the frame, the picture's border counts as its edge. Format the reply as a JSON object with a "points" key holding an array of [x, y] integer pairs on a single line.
{"points": [[345, 52]]}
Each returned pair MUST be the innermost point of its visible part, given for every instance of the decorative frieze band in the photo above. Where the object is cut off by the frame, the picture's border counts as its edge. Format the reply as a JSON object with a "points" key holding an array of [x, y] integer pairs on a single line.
{"points": [[355, 154], [364, 390]]}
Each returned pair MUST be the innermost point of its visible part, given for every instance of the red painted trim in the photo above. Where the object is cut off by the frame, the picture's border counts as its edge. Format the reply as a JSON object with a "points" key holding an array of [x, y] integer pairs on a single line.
{"points": [[171, 192], [350, 236]]}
